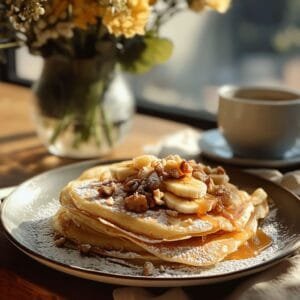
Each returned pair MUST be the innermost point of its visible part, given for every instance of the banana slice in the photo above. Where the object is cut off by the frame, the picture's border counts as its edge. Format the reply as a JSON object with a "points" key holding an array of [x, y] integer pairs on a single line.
{"points": [[143, 161], [181, 205], [200, 206], [187, 187], [123, 170], [258, 196]]}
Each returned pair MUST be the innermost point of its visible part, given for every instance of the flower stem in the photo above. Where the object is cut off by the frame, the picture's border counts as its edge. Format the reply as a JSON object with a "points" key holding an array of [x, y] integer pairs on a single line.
{"points": [[61, 126], [106, 126], [10, 45]]}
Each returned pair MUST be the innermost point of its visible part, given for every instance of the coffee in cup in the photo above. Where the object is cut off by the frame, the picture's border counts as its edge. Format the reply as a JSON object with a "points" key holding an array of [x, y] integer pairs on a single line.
{"points": [[259, 122]]}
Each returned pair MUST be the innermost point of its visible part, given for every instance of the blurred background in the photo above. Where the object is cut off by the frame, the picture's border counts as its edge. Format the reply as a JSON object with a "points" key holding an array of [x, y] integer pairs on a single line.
{"points": [[256, 42]]}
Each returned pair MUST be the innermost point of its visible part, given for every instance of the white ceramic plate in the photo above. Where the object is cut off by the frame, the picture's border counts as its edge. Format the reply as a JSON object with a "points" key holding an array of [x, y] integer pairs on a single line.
{"points": [[26, 217], [214, 146]]}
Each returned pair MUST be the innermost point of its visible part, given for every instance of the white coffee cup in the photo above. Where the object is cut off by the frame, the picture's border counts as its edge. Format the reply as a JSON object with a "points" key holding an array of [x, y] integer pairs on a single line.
{"points": [[259, 122]]}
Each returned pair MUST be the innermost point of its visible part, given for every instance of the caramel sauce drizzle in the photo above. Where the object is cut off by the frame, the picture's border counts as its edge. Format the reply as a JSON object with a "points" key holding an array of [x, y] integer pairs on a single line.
{"points": [[252, 247]]}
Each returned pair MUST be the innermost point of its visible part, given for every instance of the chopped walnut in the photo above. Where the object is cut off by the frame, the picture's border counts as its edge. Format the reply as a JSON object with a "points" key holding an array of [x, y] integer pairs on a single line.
{"points": [[150, 200], [137, 203], [174, 173], [142, 188], [185, 167], [192, 162], [158, 167], [189, 221], [106, 190], [85, 249], [172, 213], [221, 191], [218, 208], [119, 192], [174, 157], [219, 178], [219, 170], [171, 164], [226, 214], [148, 268], [224, 195], [144, 172], [109, 201], [207, 170], [162, 268], [57, 235], [227, 200], [200, 175], [108, 182], [60, 242], [196, 166], [153, 181], [132, 185], [210, 185], [158, 196]]}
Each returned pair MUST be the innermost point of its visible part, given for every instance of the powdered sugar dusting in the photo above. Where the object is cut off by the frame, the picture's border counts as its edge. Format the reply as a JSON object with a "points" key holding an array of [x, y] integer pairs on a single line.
{"points": [[36, 233], [88, 190]]}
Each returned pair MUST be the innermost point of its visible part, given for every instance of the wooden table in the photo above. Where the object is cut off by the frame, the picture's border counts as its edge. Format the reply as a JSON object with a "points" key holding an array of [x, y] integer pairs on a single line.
{"points": [[22, 156]]}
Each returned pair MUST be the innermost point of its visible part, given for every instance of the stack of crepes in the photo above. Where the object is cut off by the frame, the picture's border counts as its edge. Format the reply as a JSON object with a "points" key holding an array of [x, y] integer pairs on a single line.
{"points": [[159, 210]]}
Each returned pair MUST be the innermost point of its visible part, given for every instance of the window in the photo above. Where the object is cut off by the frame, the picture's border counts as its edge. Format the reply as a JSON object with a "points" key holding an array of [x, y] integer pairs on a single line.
{"points": [[256, 42]]}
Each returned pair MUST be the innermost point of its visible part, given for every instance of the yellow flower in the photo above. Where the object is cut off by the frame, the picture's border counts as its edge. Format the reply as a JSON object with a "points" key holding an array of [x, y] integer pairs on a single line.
{"points": [[83, 12], [129, 20], [152, 2], [218, 5], [59, 7], [86, 12]]}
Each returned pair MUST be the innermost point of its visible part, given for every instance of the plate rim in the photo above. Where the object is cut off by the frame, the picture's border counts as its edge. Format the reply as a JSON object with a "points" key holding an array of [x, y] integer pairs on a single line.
{"points": [[40, 258], [240, 161]]}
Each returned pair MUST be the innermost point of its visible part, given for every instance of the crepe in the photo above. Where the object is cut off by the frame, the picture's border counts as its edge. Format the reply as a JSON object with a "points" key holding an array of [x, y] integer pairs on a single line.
{"points": [[156, 224], [166, 210], [196, 251]]}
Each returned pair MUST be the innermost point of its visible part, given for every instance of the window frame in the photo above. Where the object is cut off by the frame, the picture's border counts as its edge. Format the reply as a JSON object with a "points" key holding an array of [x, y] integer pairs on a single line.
{"points": [[200, 119], [9, 67]]}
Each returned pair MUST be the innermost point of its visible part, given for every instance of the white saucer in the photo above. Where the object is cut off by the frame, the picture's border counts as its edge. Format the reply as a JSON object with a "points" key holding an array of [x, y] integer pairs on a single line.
{"points": [[214, 146]]}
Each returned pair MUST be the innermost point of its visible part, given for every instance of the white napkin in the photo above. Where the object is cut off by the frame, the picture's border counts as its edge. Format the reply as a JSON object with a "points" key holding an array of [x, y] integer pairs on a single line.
{"points": [[277, 283], [290, 180]]}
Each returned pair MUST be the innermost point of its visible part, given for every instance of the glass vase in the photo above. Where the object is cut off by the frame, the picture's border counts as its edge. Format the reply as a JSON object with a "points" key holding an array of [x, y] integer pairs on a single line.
{"points": [[82, 108]]}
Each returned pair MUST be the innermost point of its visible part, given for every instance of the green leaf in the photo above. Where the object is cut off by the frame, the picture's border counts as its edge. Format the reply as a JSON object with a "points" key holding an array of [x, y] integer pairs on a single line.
{"points": [[144, 53]]}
